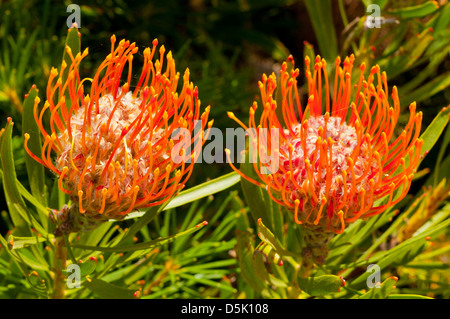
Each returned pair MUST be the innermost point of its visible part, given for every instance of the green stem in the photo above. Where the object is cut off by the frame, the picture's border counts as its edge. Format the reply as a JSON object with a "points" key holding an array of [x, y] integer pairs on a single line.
{"points": [[69, 249], [59, 283], [342, 11], [345, 21], [315, 249]]}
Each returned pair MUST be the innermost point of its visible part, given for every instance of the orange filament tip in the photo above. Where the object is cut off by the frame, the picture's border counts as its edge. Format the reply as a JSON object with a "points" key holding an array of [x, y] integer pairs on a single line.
{"points": [[341, 219], [80, 202], [296, 205]]}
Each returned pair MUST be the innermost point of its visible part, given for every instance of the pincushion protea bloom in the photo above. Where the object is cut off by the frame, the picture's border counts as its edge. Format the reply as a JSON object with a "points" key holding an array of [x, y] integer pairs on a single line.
{"points": [[114, 146], [339, 155]]}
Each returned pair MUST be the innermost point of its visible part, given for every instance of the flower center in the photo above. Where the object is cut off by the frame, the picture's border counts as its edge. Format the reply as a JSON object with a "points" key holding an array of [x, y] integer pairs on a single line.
{"points": [[117, 135], [330, 159]]}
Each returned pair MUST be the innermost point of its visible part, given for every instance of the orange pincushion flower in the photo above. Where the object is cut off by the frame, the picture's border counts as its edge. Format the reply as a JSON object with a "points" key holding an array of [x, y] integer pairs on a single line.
{"points": [[114, 146], [338, 155]]}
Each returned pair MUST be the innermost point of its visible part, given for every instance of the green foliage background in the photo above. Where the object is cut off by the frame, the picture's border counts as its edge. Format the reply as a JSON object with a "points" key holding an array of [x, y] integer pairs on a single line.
{"points": [[227, 46]]}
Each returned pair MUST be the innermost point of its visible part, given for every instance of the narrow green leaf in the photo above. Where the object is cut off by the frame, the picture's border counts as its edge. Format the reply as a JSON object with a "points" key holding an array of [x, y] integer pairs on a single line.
{"points": [[31, 258], [410, 54], [268, 237], [203, 190], [254, 196], [57, 197], [13, 254], [418, 11], [73, 42], [434, 130], [106, 290], [149, 215], [428, 265], [36, 174], [404, 252], [86, 268], [436, 85], [141, 246], [37, 283], [265, 261], [197, 192], [381, 292], [21, 242], [308, 51], [341, 245], [19, 213], [244, 251], [320, 285], [43, 210], [259, 266], [25, 53], [199, 278], [102, 233], [407, 296], [380, 3], [443, 20], [323, 25], [14, 201]]}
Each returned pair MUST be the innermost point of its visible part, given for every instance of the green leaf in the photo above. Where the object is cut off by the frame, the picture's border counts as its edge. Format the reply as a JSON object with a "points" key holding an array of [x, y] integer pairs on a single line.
{"points": [[407, 296], [418, 11], [37, 283], [271, 45], [404, 252], [258, 200], [200, 278], [323, 25], [308, 51], [73, 41], [151, 213], [259, 266], [25, 53], [101, 233], [43, 210], [105, 290], [57, 197], [21, 242], [410, 53], [19, 213], [381, 292], [436, 85], [35, 171], [264, 261], [434, 130], [341, 245], [141, 246], [197, 192], [443, 20], [203, 190], [86, 268], [244, 252], [320, 285], [268, 237], [13, 254], [14, 201], [32, 258], [380, 3]]}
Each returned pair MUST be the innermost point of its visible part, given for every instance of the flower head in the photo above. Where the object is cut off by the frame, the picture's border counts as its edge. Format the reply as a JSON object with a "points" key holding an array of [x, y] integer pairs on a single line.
{"points": [[339, 157], [113, 146]]}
